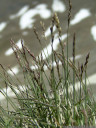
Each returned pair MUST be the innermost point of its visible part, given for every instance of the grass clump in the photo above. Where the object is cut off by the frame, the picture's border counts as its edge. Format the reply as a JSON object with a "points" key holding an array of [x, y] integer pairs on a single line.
{"points": [[48, 98]]}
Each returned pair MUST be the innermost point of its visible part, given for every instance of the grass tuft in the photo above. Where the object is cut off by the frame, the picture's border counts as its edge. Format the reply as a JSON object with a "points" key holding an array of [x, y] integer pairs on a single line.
{"points": [[47, 96]]}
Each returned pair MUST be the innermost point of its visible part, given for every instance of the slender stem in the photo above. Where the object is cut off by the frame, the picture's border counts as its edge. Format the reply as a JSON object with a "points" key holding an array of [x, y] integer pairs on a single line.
{"points": [[67, 73], [85, 89], [73, 75], [69, 16]]}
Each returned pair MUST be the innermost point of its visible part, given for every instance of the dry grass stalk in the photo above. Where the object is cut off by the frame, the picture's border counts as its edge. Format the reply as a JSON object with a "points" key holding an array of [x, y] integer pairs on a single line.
{"points": [[37, 36]]}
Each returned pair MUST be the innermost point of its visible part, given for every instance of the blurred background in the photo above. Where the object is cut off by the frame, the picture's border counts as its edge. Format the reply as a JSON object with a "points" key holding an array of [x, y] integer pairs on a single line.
{"points": [[17, 19]]}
